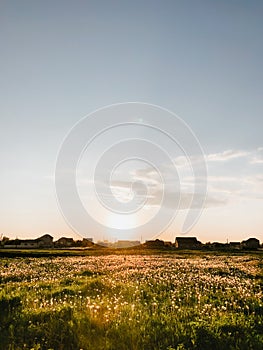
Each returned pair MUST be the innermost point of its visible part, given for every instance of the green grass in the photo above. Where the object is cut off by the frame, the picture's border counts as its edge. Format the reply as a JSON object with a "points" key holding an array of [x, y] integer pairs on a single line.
{"points": [[162, 301]]}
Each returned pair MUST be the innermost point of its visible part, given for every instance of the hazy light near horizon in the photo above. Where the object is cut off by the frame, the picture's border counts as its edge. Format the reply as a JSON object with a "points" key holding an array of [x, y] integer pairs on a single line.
{"points": [[133, 171]]}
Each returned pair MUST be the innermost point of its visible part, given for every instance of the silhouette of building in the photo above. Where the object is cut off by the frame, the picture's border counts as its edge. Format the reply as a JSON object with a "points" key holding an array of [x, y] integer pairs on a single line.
{"points": [[64, 242], [45, 241], [87, 242], [235, 245], [251, 243], [187, 243], [157, 243], [125, 244]]}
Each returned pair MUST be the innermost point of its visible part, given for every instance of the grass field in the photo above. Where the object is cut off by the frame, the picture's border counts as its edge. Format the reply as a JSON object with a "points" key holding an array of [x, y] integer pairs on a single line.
{"points": [[162, 301]]}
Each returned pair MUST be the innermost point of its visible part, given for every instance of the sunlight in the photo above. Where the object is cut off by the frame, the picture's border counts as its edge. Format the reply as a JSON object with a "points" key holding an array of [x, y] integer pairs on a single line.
{"points": [[121, 221]]}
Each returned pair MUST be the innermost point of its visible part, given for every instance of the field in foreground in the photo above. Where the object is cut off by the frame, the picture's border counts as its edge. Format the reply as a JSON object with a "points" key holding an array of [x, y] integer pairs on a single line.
{"points": [[131, 302]]}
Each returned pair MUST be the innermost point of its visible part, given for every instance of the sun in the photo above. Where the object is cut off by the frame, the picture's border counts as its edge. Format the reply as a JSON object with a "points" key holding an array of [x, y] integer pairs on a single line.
{"points": [[122, 221]]}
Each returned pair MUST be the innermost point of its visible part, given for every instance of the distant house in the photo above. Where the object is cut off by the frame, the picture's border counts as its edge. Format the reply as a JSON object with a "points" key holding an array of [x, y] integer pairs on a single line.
{"points": [[251, 243], [87, 242], [90, 239], [216, 245], [157, 243], [126, 244], [3, 240], [64, 242], [104, 243], [19, 243], [168, 244], [45, 241], [28, 243], [235, 245], [187, 243]]}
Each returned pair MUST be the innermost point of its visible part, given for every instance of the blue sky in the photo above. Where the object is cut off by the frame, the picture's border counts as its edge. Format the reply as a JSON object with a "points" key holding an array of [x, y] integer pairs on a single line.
{"points": [[61, 60]]}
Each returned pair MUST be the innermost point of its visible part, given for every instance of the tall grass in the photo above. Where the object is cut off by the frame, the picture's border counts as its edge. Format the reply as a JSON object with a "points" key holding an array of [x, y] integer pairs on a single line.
{"points": [[131, 302]]}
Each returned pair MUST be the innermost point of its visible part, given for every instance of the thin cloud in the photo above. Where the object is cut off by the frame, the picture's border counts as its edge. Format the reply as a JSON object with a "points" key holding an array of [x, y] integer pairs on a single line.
{"points": [[257, 158], [148, 183], [179, 200], [184, 200], [226, 155]]}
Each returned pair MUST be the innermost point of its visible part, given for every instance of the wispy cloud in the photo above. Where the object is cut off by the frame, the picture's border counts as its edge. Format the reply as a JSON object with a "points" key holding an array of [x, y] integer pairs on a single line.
{"points": [[225, 184], [226, 155], [185, 200], [257, 158], [154, 196]]}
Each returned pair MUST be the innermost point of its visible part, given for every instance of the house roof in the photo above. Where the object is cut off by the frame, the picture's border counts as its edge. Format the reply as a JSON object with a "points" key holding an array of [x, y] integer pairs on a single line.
{"points": [[69, 239], [44, 236], [186, 239], [251, 239], [19, 241]]}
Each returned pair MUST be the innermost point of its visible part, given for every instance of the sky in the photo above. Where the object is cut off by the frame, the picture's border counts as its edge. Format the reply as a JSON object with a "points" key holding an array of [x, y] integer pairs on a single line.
{"points": [[62, 60]]}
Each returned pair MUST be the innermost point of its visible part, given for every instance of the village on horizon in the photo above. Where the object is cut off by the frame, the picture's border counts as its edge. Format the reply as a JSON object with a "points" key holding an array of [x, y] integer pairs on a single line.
{"points": [[46, 241]]}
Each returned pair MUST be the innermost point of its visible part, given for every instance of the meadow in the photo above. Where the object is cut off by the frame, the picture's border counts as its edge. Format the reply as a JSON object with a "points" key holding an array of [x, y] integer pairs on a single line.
{"points": [[135, 302]]}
